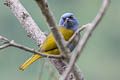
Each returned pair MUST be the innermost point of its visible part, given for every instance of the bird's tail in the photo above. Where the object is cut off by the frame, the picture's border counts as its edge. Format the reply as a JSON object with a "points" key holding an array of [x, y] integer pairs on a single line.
{"points": [[29, 61]]}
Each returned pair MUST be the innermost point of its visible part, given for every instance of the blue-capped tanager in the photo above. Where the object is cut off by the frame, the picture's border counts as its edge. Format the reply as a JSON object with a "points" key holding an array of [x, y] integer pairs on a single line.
{"points": [[68, 24]]}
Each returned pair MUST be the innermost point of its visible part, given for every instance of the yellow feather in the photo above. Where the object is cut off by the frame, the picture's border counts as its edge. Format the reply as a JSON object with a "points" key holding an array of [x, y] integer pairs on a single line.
{"points": [[48, 47]]}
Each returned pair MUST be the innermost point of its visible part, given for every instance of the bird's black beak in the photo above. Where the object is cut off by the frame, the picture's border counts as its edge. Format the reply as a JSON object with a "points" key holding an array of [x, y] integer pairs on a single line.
{"points": [[69, 21]]}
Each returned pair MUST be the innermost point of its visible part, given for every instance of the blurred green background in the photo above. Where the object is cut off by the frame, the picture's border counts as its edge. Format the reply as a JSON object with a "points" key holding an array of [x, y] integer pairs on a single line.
{"points": [[100, 59]]}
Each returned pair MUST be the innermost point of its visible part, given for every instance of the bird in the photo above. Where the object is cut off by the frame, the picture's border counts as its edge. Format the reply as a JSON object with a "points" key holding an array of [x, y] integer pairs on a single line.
{"points": [[68, 24]]}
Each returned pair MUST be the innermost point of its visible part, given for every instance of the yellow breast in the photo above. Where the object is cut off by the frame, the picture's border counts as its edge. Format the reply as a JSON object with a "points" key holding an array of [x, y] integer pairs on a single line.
{"points": [[50, 43]]}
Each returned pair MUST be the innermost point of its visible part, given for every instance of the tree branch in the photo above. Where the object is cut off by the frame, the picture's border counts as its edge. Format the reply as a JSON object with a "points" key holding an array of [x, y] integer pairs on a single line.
{"points": [[26, 20], [12, 43], [85, 38]]}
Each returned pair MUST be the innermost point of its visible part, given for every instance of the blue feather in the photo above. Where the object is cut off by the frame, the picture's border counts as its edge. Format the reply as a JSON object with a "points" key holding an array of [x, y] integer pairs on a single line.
{"points": [[68, 21]]}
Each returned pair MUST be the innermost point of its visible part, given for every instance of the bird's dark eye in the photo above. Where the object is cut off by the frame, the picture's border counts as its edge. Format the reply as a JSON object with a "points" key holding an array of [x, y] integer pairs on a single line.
{"points": [[64, 19], [71, 17]]}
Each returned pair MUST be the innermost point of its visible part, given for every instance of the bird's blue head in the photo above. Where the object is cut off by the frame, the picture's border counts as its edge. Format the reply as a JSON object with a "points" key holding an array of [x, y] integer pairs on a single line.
{"points": [[68, 21]]}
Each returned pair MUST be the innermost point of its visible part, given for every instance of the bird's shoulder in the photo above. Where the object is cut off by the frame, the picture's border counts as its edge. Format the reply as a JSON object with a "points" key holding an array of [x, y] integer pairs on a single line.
{"points": [[67, 33], [50, 44]]}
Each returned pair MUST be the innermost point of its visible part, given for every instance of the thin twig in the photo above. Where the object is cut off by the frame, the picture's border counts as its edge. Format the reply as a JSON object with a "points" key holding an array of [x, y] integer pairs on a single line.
{"points": [[3, 42], [77, 32], [4, 39], [85, 38], [16, 45], [4, 46], [33, 50]]}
